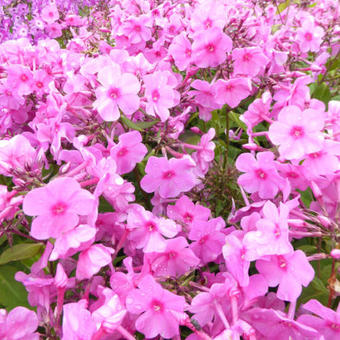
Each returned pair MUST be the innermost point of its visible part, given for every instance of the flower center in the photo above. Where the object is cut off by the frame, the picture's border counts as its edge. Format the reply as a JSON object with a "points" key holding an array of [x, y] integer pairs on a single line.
{"points": [[188, 53], [172, 255], [297, 132], [114, 93], [208, 23], [314, 155], [203, 239], [24, 77], [246, 57], [157, 306], [188, 217], [210, 48], [122, 152], [309, 36], [260, 174], [229, 87], [282, 262], [59, 208], [155, 96], [168, 174], [150, 226], [39, 84]]}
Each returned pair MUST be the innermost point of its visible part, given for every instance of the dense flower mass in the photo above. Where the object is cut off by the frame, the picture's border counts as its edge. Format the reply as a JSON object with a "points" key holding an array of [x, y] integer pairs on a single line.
{"points": [[169, 169]]}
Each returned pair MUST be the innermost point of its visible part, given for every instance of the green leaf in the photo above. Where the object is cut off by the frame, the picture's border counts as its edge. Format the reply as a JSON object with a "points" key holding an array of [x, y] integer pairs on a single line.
{"points": [[316, 290], [306, 197], [139, 126], [236, 119], [12, 292], [20, 252], [322, 93], [283, 6]]}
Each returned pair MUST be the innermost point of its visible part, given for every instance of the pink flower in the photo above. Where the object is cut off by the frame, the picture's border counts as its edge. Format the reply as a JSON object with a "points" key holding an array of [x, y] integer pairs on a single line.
{"points": [[147, 230], [208, 239], [297, 132], [20, 78], [309, 36], [136, 29], [160, 94], [210, 47], [92, 260], [249, 61], [58, 206], [78, 323], [168, 177], [175, 260], [328, 321], [290, 272], [128, 152], [186, 212], [119, 91], [181, 51], [19, 324], [158, 309], [50, 14], [260, 174], [232, 91]]}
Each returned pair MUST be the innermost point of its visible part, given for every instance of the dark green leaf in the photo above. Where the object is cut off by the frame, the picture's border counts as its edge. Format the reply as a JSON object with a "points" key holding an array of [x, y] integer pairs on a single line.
{"points": [[139, 126], [20, 252], [322, 93]]}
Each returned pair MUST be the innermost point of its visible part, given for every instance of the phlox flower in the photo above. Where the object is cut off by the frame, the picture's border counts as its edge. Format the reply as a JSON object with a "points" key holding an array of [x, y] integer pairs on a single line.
{"points": [[210, 47], [181, 51], [231, 91], [8, 98], [136, 29], [290, 272], [20, 79], [147, 231], [260, 174], [309, 36], [119, 91], [57, 207], [249, 61], [50, 13], [327, 321], [158, 309], [168, 177], [19, 324], [297, 132], [175, 260], [160, 94], [207, 238], [128, 152]]}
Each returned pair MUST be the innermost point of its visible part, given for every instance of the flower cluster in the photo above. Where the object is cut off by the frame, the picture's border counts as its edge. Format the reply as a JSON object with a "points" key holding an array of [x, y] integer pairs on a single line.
{"points": [[170, 169]]}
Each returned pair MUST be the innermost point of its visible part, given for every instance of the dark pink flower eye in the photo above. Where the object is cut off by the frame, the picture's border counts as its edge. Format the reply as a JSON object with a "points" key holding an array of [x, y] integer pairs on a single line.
{"points": [[59, 208]]}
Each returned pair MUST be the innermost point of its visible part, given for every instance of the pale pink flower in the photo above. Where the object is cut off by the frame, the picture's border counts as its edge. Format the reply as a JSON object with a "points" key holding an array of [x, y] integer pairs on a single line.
{"points": [[249, 61], [231, 91], [50, 14], [290, 272], [309, 36], [181, 51], [210, 47], [119, 91], [20, 78], [158, 309], [260, 174], [58, 206], [297, 132], [128, 152], [168, 177], [137, 29]]}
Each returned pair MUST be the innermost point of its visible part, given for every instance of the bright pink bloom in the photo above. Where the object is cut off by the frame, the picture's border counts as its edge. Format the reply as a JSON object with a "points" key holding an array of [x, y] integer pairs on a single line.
{"points": [[119, 91], [160, 309], [128, 152], [137, 29], [210, 47], [328, 321], [309, 37], [147, 230], [186, 212], [260, 174], [208, 239], [78, 323], [58, 206], [297, 132], [20, 79], [290, 272], [41, 79], [92, 260], [175, 260], [181, 51], [232, 91], [50, 14], [19, 324], [160, 94], [249, 61], [168, 177]]}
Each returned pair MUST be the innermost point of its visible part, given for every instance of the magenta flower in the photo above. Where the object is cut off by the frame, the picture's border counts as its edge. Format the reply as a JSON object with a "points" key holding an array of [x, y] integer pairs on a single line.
{"points": [[158, 309], [260, 174], [210, 47], [58, 206], [249, 61], [290, 272], [327, 323], [50, 13], [181, 51], [20, 79], [128, 152], [309, 36], [19, 324], [231, 91], [297, 132], [136, 28], [119, 91], [168, 177]]}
